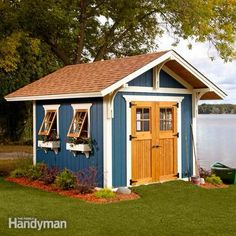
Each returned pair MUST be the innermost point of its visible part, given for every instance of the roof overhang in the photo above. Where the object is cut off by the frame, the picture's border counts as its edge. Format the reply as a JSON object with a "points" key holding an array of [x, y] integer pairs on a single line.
{"points": [[172, 60], [53, 97], [176, 63]]}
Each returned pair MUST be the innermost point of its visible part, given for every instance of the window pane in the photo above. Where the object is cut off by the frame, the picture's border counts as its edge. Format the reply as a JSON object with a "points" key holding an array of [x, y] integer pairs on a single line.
{"points": [[162, 113], [146, 125], [169, 113], [138, 126], [49, 123], [166, 119], [146, 113], [79, 125], [138, 114]]}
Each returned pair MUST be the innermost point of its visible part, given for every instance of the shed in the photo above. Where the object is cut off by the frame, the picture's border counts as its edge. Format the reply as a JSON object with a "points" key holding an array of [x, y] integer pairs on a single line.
{"points": [[131, 118]]}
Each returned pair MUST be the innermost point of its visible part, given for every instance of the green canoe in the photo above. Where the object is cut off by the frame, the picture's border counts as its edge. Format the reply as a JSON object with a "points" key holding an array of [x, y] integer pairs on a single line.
{"points": [[227, 174]]}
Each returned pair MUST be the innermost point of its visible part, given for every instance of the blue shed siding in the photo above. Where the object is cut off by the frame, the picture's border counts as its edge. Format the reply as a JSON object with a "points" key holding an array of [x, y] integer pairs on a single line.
{"points": [[119, 174], [65, 159], [167, 81], [144, 80]]}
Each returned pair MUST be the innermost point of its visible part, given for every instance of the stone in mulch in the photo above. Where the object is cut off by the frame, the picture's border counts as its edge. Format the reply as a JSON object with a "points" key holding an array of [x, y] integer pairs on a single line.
{"points": [[90, 197]]}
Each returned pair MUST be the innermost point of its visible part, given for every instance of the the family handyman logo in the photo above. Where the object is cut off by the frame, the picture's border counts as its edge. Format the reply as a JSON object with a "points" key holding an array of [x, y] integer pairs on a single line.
{"points": [[34, 223]]}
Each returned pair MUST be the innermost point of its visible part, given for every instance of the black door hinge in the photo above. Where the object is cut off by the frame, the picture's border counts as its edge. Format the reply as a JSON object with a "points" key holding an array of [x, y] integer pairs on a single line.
{"points": [[131, 104], [176, 105], [177, 175], [132, 182], [177, 135], [131, 137]]}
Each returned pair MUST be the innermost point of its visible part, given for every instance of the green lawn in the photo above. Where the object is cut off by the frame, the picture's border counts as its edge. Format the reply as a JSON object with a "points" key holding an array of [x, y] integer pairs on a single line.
{"points": [[173, 208]]}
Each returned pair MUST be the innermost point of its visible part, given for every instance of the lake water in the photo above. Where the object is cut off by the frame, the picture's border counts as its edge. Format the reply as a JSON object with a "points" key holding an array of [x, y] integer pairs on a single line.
{"points": [[216, 139]]}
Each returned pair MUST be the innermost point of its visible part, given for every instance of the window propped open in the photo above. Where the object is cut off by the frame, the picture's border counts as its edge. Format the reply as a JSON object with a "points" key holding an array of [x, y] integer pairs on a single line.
{"points": [[49, 123], [79, 125]]}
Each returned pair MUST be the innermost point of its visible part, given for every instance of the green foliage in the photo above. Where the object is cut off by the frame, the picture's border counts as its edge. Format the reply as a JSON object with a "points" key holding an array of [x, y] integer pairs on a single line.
{"points": [[105, 193], [213, 179], [49, 175], [65, 180], [51, 137], [35, 172], [18, 173]]}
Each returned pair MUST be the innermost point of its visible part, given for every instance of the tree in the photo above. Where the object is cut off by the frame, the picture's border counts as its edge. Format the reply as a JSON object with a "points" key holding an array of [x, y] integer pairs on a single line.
{"points": [[83, 30], [38, 36]]}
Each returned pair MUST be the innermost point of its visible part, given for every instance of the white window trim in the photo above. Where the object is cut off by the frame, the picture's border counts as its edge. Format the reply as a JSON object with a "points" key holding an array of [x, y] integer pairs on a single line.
{"points": [[130, 98], [53, 107], [83, 106]]}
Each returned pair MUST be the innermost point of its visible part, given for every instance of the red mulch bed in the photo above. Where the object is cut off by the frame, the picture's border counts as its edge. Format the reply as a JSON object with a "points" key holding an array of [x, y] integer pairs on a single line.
{"points": [[90, 197]]}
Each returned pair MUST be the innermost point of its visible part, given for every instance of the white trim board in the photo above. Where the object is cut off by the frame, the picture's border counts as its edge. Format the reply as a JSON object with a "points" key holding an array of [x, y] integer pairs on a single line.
{"points": [[107, 143], [128, 99], [53, 97], [156, 91], [34, 133]]}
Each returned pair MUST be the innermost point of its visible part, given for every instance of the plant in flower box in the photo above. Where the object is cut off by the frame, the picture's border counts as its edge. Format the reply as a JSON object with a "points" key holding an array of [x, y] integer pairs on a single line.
{"points": [[50, 141], [81, 144]]}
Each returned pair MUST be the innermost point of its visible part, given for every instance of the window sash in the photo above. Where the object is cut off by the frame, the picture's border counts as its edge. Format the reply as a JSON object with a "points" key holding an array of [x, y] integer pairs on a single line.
{"points": [[47, 122], [77, 125]]}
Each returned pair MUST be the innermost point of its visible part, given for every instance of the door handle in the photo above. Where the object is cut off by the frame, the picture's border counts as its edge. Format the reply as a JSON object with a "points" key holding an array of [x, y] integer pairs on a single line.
{"points": [[156, 146]]}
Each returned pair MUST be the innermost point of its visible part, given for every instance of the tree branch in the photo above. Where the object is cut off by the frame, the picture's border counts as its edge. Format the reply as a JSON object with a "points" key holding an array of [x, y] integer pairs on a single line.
{"points": [[81, 36], [103, 50], [59, 52]]}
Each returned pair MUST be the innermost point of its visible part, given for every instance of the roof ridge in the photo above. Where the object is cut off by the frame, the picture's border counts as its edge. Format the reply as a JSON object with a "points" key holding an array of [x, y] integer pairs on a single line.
{"points": [[118, 58]]}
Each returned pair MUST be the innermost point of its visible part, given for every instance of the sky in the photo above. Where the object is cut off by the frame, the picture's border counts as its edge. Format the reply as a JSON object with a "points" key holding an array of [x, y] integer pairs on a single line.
{"points": [[221, 73]]}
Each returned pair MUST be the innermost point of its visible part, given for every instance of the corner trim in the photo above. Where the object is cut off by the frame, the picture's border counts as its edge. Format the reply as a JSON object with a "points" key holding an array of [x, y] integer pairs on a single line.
{"points": [[34, 133]]}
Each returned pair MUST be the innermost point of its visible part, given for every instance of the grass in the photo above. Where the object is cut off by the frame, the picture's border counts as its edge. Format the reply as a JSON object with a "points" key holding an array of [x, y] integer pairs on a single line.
{"points": [[16, 148], [173, 208], [8, 165]]}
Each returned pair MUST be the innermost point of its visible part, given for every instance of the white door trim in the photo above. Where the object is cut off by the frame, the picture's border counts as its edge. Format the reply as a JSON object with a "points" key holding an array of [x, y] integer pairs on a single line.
{"points": [[132, 98]]}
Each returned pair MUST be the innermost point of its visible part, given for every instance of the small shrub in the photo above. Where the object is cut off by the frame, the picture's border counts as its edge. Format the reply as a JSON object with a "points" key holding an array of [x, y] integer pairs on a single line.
{"points": [[18, 173], [86, 180], [49, 175], [105, 193], [35, 172], [65, 180], [204, 173], [213, 179]]}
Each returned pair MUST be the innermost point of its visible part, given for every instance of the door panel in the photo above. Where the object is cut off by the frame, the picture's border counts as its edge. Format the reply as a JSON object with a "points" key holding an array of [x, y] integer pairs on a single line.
{"points": [[141, 161], [141, 142], [167, 130]]}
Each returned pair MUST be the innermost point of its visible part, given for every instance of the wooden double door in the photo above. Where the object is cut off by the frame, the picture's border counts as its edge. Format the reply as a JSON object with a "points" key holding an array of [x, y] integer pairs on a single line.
{"points": [[154, 141]]}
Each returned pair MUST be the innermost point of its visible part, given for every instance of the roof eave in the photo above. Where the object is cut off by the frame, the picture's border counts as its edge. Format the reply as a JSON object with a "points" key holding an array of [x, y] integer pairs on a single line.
{"points": [[53, 97], [173, 56]]}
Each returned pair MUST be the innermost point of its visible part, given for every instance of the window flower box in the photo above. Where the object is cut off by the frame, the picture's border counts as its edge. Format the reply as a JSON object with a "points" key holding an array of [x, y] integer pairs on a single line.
{"points": [[53, 145], [84, 148]]}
